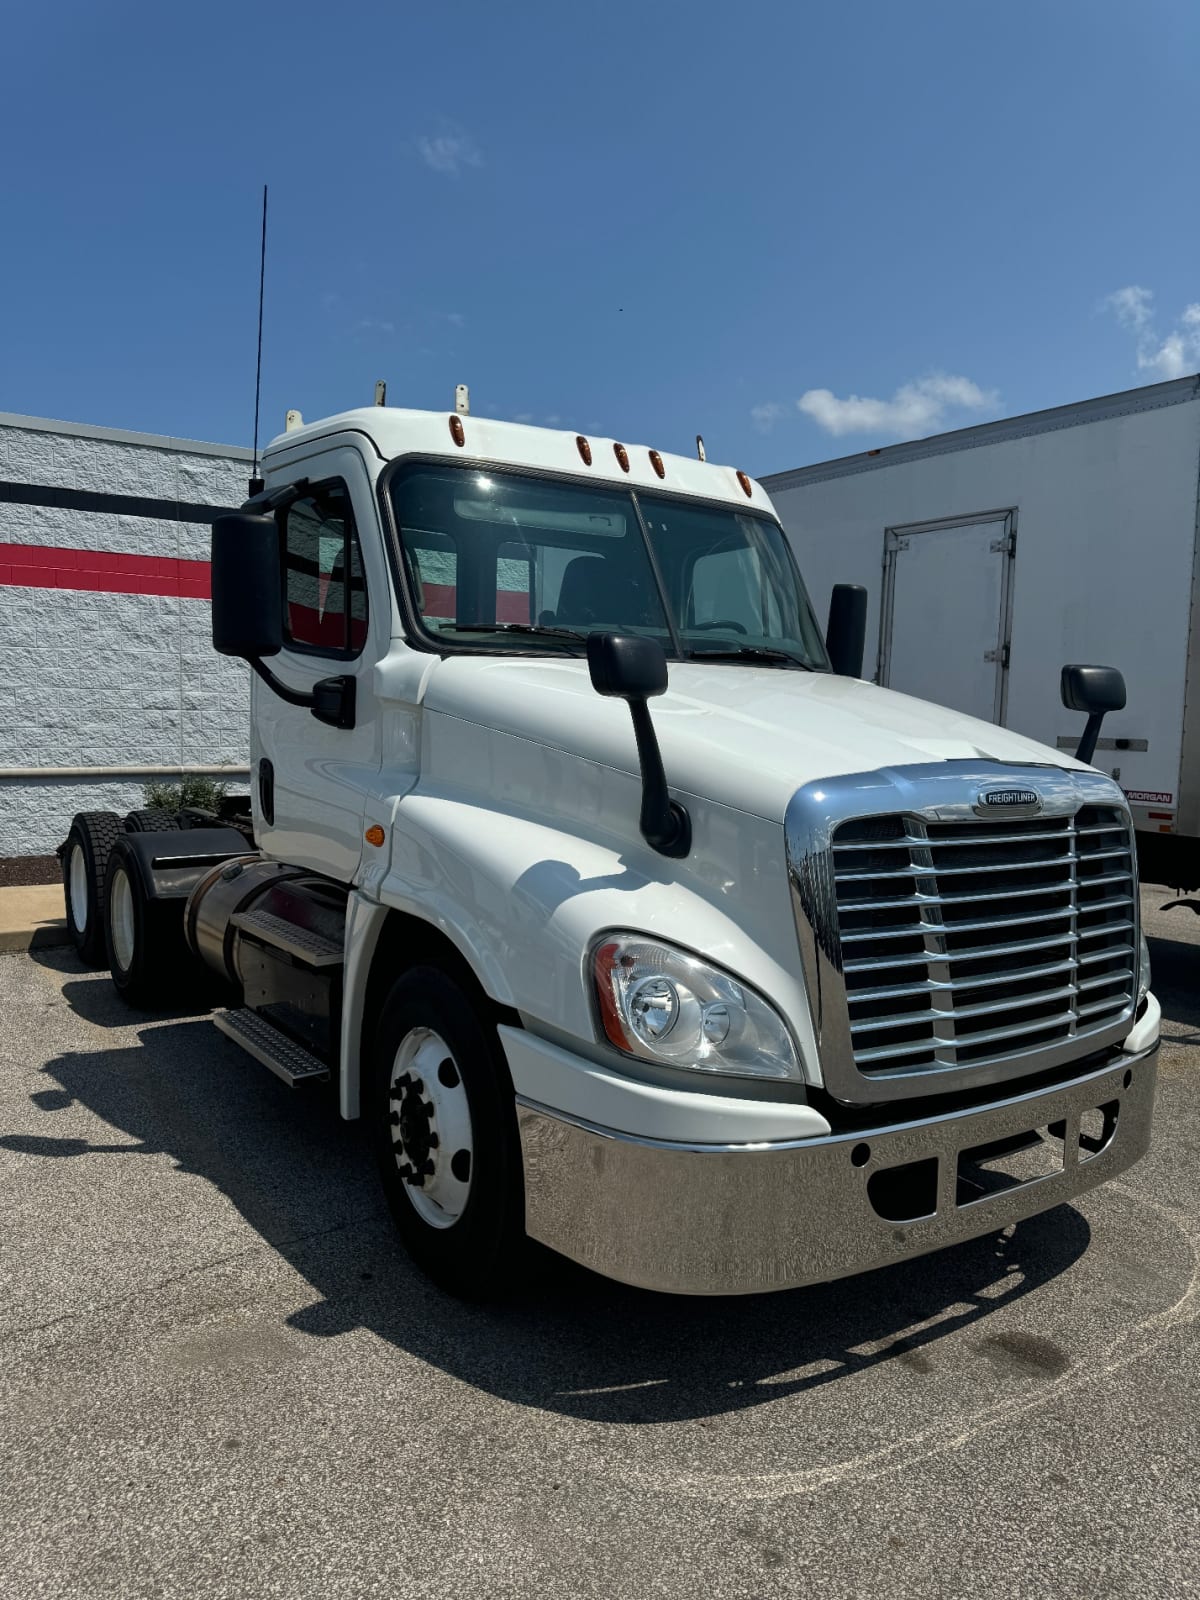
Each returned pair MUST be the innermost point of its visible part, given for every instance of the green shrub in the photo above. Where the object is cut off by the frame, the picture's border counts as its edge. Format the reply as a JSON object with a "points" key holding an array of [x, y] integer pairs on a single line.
{"points": [[205, 794]]}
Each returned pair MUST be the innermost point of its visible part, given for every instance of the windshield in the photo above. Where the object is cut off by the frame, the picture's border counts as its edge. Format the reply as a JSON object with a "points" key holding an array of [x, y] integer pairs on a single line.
{"points": [[504, 561]]}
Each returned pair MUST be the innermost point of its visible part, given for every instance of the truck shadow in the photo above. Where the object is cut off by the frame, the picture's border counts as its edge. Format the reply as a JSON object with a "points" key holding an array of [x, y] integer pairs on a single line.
{"points": [[569, 1342], [1174, 964]]}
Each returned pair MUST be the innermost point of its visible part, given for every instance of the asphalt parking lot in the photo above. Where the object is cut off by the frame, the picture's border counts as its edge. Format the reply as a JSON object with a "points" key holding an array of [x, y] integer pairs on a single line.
{"points": [[219, 1376]]}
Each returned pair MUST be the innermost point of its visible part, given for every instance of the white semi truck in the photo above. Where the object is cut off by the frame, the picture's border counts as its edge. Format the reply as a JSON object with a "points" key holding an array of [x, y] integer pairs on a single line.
{"points": [[763, 977], [995, 553]]}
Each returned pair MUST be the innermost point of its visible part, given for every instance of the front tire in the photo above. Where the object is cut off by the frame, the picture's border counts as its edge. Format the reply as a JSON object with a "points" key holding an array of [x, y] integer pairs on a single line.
{"points": [[443, 1124], [85, 856], [148, 958]]}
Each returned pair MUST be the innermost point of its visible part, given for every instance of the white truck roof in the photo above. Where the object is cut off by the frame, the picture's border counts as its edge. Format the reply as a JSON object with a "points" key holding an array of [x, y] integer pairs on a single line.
{"points": [[394, 431]]}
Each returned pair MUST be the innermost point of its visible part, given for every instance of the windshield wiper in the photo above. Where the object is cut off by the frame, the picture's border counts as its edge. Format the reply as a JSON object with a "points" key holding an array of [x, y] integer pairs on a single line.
{"points": [[536, 629], [752, 652]]}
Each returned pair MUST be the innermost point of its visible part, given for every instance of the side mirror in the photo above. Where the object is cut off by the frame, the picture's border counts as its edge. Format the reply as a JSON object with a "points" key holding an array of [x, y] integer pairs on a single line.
{"points": [[247, 595], [1096, 690], [247, 612], [627, 667], [846, 634]]}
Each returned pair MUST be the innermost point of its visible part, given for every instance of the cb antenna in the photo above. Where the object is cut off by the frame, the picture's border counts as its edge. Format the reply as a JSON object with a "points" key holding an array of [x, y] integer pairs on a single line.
{"points": [[256, 483]]}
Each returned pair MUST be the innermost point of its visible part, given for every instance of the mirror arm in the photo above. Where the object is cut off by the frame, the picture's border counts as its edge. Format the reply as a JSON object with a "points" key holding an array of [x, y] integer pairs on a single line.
{"points": [[1086, 747], [276, 499], [294, 697], [666, 826], [331, 700]]}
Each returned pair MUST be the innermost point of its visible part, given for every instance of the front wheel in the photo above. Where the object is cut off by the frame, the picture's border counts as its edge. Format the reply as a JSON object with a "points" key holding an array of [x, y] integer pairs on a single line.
{"points": [[443, 1124]]}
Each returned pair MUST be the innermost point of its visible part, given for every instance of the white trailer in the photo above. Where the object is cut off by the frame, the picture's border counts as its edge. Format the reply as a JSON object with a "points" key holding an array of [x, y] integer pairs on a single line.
{"points": [[996, 553]]}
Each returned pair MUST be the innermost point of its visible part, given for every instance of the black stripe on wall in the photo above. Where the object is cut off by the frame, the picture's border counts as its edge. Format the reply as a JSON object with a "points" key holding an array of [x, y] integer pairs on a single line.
{"points": [[125, 505]]}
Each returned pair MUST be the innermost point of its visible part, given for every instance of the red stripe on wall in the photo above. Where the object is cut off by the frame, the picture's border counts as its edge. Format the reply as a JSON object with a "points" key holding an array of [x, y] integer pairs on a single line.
{"points": [[46, 566]]}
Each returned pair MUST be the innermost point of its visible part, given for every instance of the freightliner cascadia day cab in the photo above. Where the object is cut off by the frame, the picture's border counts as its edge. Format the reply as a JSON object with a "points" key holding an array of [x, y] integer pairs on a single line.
{"points": [[627, 922]]}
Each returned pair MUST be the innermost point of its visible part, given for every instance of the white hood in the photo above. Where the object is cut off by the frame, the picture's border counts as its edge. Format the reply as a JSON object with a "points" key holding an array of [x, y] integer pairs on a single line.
{"points": [[742, 736]]}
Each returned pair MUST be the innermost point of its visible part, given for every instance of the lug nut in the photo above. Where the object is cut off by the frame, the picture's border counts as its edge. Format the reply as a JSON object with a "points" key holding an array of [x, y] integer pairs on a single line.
{"points": [[427, 1108], [427, 1168], [418, 1085], [434, 1141]]}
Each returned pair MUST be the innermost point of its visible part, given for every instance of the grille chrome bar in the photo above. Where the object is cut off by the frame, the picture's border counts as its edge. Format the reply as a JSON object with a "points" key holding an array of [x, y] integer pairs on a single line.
{"points": [[904, 1019], [960, 872], [918, 898], [923, 980], [908, 839]]}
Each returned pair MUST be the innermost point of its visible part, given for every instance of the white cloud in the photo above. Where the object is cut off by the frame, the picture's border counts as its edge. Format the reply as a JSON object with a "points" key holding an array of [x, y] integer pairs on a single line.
{"points": [[455, 318], [1163, 356], [1132, 306], [767, 415], [523, 416], [921, 407], [449, 151]]}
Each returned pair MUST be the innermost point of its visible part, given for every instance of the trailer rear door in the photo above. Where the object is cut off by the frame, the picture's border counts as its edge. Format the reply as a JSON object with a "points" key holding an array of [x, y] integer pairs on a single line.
{"points": [[951, 582]]}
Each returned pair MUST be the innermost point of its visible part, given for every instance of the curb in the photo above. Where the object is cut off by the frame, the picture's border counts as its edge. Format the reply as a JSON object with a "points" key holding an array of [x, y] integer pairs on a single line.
{"points": [[32, 919]]}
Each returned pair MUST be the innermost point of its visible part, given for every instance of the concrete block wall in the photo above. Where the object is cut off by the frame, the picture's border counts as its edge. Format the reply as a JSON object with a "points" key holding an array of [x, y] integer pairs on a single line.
{"points": [[105, 655]]}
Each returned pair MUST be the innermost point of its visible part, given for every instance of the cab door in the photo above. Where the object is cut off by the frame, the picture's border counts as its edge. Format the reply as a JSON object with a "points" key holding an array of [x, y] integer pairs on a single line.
{"points": [[310, 779]]}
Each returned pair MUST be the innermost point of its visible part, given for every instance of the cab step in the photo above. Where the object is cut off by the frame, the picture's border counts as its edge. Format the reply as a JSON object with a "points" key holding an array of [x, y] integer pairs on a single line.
{"points": [[261, 1039], [309, 948]]}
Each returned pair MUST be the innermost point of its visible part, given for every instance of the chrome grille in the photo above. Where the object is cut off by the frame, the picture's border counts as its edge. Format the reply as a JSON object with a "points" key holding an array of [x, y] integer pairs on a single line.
{"points": [[965, 942]]}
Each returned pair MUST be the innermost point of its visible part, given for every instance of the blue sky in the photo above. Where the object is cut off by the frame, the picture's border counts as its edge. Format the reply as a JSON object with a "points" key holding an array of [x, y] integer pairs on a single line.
{"points": [[801, 230]]}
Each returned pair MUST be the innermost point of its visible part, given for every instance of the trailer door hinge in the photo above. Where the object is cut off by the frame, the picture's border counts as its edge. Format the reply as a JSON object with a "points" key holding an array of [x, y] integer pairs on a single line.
{"points": [[1000, 655], [1006, 546]]}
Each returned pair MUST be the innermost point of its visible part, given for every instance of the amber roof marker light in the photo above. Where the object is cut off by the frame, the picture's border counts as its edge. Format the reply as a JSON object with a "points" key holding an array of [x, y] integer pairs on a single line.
{"points": [[584, 448], [622, 456], [656, 461], [747, 486], [457, 432]]}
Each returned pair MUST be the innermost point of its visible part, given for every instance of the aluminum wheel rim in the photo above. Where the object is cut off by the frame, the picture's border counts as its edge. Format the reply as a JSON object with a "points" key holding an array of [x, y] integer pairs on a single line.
{"points": [[77, 878], [120, 919], [431, 1128]]}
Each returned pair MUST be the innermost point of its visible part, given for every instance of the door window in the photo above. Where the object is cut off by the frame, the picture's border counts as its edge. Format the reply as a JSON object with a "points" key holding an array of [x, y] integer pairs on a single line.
{"points": [[324, 590]]}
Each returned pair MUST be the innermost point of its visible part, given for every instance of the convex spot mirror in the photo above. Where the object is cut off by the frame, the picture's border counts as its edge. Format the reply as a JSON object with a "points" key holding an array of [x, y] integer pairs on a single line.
{"points": [[626, 666], [1093, 689]]}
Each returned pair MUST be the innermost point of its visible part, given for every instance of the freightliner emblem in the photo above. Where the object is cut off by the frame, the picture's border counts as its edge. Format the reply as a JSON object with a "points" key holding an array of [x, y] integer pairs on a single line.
{"points": [[1009, 800]]}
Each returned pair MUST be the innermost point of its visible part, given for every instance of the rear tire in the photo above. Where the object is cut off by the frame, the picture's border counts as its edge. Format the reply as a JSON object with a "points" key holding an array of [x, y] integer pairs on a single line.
{"points": [[442, 1120], [148, 956], [90, 842], [152, 821]]}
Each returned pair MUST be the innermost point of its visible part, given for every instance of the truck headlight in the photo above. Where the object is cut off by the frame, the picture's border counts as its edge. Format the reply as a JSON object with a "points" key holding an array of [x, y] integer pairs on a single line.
{"points": [[1143, 971], [665, 1005]]}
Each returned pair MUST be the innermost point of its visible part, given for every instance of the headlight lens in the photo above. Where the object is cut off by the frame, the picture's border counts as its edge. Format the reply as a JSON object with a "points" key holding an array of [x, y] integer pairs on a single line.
{"points": [[1143, 970], [664, 1005]]}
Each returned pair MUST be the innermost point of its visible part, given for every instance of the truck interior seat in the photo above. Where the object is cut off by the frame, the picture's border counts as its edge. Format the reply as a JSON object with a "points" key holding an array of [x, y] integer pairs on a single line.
{"points": [[594, 589]]}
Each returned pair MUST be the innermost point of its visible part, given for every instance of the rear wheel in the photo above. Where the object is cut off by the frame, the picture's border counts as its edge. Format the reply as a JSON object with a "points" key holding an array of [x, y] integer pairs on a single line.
{"points": [[85, 861], [443, 1124], [148, 957], [152, 821]]}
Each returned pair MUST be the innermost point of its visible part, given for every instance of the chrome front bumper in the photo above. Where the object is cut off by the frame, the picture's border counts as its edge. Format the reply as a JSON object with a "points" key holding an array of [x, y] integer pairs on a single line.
{"points": [[740, 1219]]}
